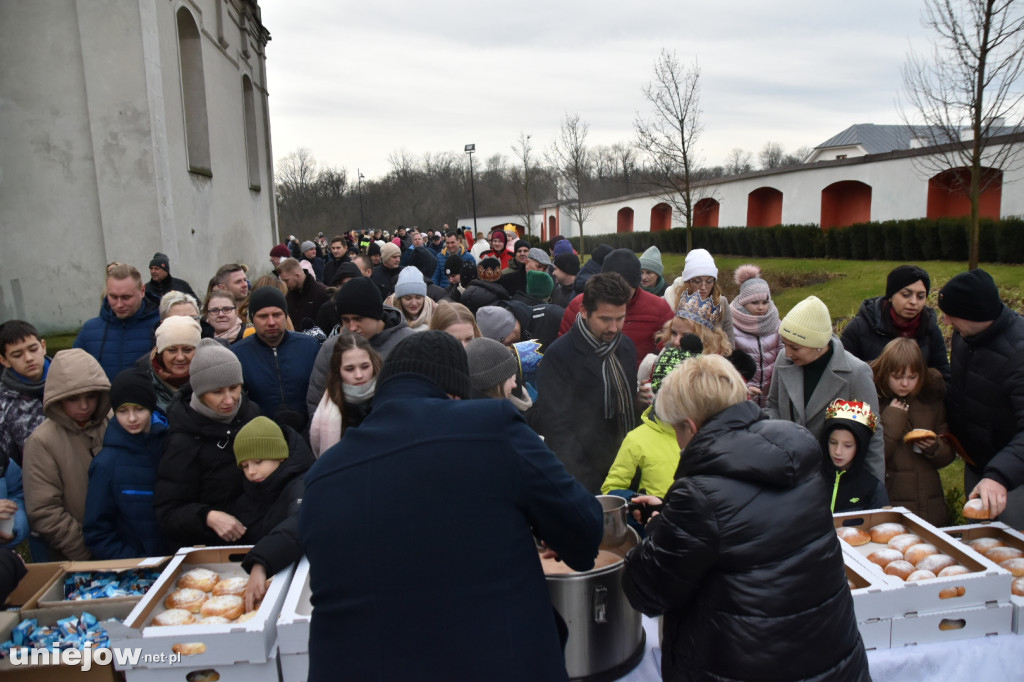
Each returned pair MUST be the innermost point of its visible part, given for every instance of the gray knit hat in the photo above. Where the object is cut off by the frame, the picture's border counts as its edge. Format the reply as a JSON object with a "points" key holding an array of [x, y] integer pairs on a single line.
{"points": [[213, 367], [306, 246], [651, 260], [490, 363], [495, 322]]}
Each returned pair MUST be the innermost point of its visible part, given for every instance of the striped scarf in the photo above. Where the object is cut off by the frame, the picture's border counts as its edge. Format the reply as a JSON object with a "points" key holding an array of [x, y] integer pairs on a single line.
{"points": [[618, 394]]}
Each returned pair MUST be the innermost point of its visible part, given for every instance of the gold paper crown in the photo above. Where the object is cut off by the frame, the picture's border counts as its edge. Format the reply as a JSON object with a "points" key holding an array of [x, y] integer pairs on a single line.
{"points": [[701, 310], [852, 410]]}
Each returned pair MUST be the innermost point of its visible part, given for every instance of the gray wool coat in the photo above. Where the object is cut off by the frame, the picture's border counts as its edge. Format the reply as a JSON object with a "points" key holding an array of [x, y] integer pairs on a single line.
{"points": [[845, 378]]}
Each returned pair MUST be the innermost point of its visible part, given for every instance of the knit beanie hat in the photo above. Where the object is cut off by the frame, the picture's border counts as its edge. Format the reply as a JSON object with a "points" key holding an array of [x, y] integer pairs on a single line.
{"points": [[410, 283], [495, 322], [520, 244], [345, 271], [489, 269], [906, 275], [177, 330], [433, 354], [752, 287], [490, 363], [389, 251], [260, 439], [539, 284], [280, 251], [651, 260], [569, 263], [540, 256], [501, 233], [703, 311], [213, 367], [624, 262], [671, 357], [560, 245], [133, 387], [359, 296], [306, 246], [160, 261], [424, 260], [699, 263], [971, 295], [807, 324], [453, 265], [373, 249], [266, 297], [599, 253]]}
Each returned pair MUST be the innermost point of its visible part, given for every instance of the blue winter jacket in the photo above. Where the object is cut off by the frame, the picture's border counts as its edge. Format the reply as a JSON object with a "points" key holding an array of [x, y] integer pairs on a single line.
{"points": [[277, 376], [115, 343], [10, 489], [119, 519], [441, 279]]}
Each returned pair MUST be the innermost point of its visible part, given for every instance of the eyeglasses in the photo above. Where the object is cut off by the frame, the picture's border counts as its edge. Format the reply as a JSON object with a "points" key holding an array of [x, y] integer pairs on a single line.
{"points": [[220, 311], [702, 282]]}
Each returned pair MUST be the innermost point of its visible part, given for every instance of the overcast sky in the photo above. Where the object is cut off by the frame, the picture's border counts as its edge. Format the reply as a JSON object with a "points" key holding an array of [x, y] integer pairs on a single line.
{"points": [[355, 81]]}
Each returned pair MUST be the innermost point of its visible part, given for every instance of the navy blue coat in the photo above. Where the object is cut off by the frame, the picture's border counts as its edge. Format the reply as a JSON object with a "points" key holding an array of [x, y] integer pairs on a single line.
{"points": [[277, 376], [120, 522], [115, 343], [421, 542]]}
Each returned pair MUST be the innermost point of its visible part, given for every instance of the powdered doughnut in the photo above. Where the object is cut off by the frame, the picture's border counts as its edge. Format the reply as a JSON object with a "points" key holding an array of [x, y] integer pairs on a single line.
{"points": [[920, 575], [854, 537], [174, 617], [199, 578], [899, 568], [905, 541], [1001, 554], [227, 606], [189, 648], [935, 563], [235, 585], [982, 545], [188, 598], [1014, 566], [884, 557], [1018, 587], [974, 509], [953, 570], [884, 532], [920, 551], [213, 620], [247, 616]]}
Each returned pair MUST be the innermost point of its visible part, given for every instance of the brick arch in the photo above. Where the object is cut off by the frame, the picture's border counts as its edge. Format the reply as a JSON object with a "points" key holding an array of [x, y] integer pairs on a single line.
{"points": [[764, 207], [845, 203], [624, 220], [661, 218], [948, 193], [552, 227], [705, 213]]}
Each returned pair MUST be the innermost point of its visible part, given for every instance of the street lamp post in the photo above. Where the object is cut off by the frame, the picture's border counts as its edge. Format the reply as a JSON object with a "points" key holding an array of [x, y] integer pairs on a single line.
{"points": [[362, 218], [470, 148]]}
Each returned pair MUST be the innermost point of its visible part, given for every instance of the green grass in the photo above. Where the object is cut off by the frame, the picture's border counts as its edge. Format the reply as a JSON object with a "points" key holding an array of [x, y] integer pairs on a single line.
{"points": [[58, 342]]}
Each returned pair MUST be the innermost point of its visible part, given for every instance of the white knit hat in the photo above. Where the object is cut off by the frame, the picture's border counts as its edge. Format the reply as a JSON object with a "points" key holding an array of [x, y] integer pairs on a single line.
{"points": [[177, 330], [410, 283], [807, 324], [699, 263]]}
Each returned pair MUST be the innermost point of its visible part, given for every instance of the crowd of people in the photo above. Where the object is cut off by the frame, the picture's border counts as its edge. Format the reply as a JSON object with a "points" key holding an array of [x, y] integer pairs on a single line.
{"points": [[313, 409]]}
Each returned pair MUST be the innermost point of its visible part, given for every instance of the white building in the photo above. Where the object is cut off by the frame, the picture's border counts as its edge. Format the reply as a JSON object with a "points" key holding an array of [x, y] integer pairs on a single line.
{"points": [[128, 128]]}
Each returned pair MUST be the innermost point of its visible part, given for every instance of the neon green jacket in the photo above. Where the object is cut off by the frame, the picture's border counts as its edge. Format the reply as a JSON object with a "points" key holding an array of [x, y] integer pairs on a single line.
{"points": [[651, 448]]}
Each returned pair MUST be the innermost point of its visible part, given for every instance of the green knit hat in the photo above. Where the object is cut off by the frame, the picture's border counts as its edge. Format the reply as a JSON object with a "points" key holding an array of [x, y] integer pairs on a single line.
{"points": [[260, 439]]}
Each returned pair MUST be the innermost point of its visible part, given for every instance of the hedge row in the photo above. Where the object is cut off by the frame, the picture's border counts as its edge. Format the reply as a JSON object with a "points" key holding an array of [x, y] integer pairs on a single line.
{"points": [[1000, 241]]}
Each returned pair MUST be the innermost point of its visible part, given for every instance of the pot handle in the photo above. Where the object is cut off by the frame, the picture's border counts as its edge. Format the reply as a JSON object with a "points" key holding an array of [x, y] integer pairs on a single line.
{"points": [[600, 604]]}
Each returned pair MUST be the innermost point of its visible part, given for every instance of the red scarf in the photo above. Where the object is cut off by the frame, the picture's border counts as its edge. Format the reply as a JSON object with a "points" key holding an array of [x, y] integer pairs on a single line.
{"points": [[903, 327]]}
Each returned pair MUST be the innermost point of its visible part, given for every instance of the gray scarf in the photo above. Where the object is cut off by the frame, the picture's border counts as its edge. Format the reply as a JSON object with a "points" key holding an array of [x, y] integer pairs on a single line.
{"points": [[618, 394]]}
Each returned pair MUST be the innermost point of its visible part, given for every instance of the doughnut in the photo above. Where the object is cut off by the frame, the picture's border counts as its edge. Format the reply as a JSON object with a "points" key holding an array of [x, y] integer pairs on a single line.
{"points": [[974, 509], [917, 552], [917, 434], [228, 606], [203, 676], [199, 578], [953, 570], [247, 616], [235, 586], [1014, 566], [982, 545], [853, 536], [1001, 554], [952, 592], [213, 620], [884, 532], [920, 575], [905, 542], [935, 563], [188, 598], [174, 617], [189, 648], [884, 557], [1018, 587], [899, 568]]}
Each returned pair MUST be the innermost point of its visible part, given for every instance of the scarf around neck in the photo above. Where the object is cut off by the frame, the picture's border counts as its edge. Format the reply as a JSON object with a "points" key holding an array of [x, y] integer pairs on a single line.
{"points": [[618, 394], [756, 325], [199, 406]]}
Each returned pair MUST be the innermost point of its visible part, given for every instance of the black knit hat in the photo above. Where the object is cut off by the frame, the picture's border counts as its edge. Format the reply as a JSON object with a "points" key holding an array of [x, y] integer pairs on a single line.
{"points": [[453, 265], [373, 249], [626, 263], [569, 263], [161, 261], [433, 354], [346, 270], [359, 296], [424, 260], [520, 243], [971, 295], [132, 386], [599, 253], [904, 276], [266, 297]]}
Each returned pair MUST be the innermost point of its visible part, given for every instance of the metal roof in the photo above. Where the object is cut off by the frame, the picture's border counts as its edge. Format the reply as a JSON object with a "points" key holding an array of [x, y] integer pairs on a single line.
{"points": [[879, 139]]}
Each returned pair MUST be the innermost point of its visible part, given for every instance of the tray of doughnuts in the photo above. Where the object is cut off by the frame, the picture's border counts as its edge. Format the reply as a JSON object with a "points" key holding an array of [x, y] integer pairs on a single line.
{"points": [[930, 571], [1000, 543]]}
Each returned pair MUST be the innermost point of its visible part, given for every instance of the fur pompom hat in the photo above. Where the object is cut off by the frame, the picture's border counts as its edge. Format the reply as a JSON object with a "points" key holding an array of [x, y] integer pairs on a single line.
{"points": [[752, 287]]}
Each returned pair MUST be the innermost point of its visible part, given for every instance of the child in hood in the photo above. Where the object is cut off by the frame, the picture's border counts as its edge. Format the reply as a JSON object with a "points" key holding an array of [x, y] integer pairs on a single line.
{"points": [[849, 425], [755, 322]]}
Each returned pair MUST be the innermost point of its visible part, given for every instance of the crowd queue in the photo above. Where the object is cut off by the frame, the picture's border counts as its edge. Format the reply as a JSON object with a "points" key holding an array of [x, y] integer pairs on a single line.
{"points": [[417, 413]]}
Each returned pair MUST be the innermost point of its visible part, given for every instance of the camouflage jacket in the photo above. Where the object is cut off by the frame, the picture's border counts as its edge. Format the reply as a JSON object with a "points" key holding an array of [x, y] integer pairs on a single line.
{"points": [[21, 411]]}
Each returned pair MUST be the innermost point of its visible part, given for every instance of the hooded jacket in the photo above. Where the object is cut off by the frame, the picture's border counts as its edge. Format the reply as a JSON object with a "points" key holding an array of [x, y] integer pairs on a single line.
{"points": [[744, 561], [854, 488], [540, 321], [117, 343], [646, 314], [871, 329], [21, 411], [651, 449], [58, 454], [120, 522]]}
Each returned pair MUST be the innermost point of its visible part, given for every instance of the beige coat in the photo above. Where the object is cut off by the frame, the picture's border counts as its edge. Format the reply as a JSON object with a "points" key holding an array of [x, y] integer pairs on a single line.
{"points": [[58, 454]]}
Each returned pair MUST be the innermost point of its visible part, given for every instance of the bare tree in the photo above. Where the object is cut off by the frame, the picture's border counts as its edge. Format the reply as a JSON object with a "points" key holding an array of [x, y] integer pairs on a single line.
{"points": [[796, 158], [522, 178], [966, 88], [737, 162], [669, 135], [625, 156], [771, 155], [571, 161]]}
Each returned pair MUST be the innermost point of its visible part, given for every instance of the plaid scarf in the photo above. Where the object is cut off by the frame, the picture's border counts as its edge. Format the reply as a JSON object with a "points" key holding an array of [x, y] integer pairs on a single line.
{"points": [[618, 394]]}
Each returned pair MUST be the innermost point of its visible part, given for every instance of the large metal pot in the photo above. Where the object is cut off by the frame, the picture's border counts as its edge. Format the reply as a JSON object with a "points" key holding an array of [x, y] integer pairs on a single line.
{"points": [[606, 635]]}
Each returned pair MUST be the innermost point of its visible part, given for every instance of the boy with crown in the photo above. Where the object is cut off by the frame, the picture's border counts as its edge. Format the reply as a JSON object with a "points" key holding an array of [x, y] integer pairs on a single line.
{"points": [[849, 425]]}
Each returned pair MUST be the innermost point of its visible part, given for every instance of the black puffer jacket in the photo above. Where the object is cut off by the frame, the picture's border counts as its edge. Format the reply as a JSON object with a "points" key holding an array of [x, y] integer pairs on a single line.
{"points": [[480, 293], [265, 504], [745, 563], [985, 404], [197, 472], [871, 329]]}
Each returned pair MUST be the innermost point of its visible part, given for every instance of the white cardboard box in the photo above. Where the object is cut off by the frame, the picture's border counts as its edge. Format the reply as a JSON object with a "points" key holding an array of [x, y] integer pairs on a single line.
{"points": [[986, 584], [1010, 537], [249, 642], [925, 628], [293, 623], [876, 634], [295, 667], [871, 588], [237, 672]]}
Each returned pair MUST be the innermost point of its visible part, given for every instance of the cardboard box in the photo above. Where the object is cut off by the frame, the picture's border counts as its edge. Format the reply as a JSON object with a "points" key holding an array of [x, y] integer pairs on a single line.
{"points": [[926, 628], [249, 642], [293, 624], [52, 596], [876, 634], [871, 588], [986, 584], [59, 672], [237, 672], [295, 667], [35, 582], [1009, 537]]}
